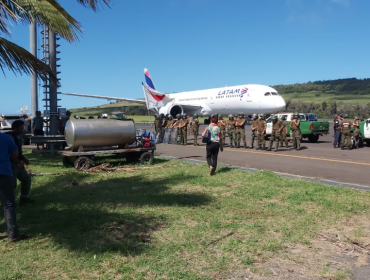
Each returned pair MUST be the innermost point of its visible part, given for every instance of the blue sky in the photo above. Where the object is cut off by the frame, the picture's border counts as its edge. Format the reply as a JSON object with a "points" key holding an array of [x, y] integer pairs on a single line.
{"points": [[199, 44]]}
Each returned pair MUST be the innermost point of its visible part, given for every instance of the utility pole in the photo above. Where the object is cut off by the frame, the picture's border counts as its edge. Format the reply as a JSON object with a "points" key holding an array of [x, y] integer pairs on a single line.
{"points": [[33, 50]]}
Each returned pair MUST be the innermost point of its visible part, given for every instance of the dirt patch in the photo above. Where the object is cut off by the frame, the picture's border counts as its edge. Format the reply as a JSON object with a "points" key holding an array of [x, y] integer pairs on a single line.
{"points": [[339, 253]]}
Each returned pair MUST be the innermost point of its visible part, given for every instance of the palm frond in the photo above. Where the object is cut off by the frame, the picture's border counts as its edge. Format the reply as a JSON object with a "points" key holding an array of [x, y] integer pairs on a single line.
{"points": [[93, 4], [7, 14], [48, 12], [18, 60]]}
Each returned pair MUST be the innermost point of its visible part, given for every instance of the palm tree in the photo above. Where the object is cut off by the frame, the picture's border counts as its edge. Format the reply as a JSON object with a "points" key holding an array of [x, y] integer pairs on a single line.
{"points": [[47, 12]]}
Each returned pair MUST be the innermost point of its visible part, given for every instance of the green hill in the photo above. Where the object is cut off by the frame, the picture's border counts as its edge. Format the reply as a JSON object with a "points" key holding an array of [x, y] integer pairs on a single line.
{"points": [[351, 96]]}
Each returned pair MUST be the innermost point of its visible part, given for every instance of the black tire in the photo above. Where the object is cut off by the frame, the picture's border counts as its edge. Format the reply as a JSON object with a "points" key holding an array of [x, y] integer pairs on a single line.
{"points": [[367, 141], [67, 162], [83, 163], [147, 157], [313, 138]]}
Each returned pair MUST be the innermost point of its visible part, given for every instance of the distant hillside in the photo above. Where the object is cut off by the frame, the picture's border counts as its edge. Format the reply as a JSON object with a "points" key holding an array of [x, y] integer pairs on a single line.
{"points": [[326, 98], [132, 109], [350, 86]]}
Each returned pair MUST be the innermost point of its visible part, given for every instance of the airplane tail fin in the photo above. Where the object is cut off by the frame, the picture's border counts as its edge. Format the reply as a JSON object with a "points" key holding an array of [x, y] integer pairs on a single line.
{"points": [[148, 79], [154, 99]]}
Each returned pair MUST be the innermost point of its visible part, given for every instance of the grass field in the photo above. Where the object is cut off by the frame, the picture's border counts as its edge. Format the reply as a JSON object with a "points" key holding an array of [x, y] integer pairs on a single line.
{"points": [[328, 97], [172, 221]]}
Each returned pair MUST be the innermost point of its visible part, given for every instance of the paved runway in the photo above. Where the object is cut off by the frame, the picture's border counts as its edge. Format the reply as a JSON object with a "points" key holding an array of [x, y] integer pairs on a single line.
{"points": [[317, 160]]}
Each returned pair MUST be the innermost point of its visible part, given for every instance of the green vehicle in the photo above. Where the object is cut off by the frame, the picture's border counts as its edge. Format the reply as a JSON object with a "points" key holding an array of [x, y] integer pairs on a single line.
{"points": [[365, 132], [310, 127]]}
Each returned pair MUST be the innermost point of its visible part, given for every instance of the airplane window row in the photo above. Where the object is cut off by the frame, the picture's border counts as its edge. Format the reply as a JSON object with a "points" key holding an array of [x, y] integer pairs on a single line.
{"points": [[228, 96], [271, 93], [190, 99]]}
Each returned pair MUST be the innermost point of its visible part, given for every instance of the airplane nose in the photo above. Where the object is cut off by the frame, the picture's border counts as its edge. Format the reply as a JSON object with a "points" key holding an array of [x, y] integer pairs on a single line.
{"points": [[280, 104]]}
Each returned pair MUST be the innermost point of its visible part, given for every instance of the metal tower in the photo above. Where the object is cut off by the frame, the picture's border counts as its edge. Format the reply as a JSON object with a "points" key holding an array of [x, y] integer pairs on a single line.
{"points": [[49, 49]]}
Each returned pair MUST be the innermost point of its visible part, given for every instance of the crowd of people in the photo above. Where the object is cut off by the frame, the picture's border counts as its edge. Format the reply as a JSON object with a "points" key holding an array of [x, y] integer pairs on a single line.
{"points": [[344, 129], [233, 128]]}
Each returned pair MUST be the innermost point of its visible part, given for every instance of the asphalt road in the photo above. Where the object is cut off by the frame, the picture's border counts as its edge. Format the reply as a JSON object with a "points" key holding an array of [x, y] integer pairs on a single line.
{"points": [[316, 160]]}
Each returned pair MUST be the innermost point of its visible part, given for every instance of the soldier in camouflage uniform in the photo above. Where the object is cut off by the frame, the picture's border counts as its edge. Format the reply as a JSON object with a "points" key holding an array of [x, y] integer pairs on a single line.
{"points": [[254, 126], [176, 124], [164, 125], [222, 125], [169, 127], [189, 127], [275, 133], [195, 127], [295, 131], [284, 132], [356, 131], [240, 131], [184, 130], [261, 132], [345, 126], [230, 128], [158, 128]]}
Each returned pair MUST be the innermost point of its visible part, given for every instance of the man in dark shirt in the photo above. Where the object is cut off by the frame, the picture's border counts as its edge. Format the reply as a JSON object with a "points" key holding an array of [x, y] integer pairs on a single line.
{"points": [[8, 152], [19, 170]]}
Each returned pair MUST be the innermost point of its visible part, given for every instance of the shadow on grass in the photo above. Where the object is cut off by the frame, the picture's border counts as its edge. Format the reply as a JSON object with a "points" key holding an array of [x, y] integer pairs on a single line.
{"points": [[110, 215], [223, 169]]}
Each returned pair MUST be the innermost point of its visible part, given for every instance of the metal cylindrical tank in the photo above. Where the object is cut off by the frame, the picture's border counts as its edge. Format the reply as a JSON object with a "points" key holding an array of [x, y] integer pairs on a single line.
{"points": [[99, 132]]}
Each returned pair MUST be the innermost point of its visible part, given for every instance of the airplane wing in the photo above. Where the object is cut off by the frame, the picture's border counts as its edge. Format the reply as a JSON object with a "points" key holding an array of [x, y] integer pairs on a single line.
{"points": [[105, 97]]}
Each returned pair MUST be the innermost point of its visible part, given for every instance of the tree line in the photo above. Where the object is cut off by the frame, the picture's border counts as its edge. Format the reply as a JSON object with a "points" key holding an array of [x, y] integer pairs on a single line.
{"points": [[351, 86], [326, 109]]}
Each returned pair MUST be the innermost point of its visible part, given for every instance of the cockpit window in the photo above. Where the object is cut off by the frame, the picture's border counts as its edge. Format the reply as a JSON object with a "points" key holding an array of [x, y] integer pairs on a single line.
{"points": [[267, 94], [273, 93]]}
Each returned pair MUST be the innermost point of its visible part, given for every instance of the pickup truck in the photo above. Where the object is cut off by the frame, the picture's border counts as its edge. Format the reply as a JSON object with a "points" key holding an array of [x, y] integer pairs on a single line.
{"points": [[6, 126], [310, 127], [6, 122]]}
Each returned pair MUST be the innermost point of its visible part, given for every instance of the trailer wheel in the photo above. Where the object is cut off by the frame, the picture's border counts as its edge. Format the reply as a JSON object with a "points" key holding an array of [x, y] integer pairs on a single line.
{"points": [[313, 138], [67, 162], [83, 163], [147, 157]]}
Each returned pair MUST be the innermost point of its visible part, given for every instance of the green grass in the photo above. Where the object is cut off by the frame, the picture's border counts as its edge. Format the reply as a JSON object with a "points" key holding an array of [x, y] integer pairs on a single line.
{"points": [[326, 96], [170, 222]]}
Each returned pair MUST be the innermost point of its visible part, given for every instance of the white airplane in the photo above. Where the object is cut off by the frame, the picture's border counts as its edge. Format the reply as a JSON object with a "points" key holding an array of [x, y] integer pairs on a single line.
{"points": [[247, 99]]}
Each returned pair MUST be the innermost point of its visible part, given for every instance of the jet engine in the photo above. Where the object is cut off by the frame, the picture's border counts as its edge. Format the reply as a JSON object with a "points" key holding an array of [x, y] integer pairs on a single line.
{"points": [[171, 109]]}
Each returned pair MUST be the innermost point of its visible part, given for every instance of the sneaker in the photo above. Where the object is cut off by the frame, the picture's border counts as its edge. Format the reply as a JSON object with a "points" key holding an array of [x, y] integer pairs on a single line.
{"points": [[25, 201], [213, 171], [19, 238]]}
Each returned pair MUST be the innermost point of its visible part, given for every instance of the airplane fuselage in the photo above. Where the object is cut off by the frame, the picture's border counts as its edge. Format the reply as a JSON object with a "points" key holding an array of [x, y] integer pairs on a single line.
{"points": [[247, 99]]}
